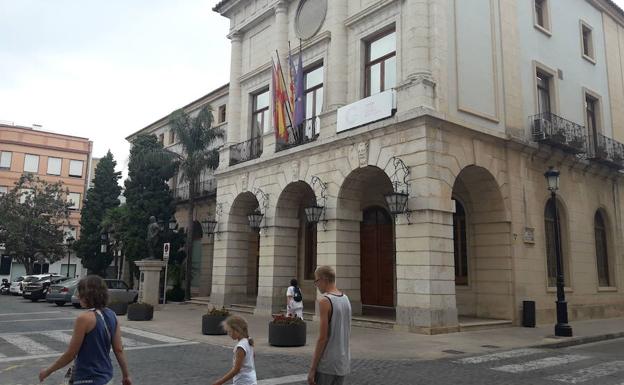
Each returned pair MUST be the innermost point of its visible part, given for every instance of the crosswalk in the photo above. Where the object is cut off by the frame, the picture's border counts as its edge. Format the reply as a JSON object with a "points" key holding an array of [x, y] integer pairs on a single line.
{"points": [[49, 343], [546, 361]]}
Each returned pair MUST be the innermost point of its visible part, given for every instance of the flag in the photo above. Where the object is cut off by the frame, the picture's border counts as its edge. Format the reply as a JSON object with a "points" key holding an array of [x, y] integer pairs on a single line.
{"points": [[291, 79], [279, 100], [299, 92]]}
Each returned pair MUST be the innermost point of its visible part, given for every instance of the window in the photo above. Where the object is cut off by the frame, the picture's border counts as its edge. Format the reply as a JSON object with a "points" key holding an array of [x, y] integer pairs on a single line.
{"points": [[74, 199], [551, 236], [591, 117], [5, 264], [75, 168], [543, 82], [4, 190], [602, 253], [222, 114], [31, 163], [161, 138], [54, 166], [313, 100], [41, 268], [381, 63], [260, 114], [72, 270], [459, 241], [172, 137], [25, 194], [587, 43], [542, 16], [5, 159]]}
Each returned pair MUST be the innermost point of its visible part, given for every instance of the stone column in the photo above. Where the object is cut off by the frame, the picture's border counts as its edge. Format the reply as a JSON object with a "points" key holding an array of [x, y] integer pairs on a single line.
{"points": [[149, 281], [234, 132], [336, 69]]}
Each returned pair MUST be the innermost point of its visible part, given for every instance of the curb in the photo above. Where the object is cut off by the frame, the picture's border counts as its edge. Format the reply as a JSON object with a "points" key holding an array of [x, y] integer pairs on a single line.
{"points": [[579, 341]]}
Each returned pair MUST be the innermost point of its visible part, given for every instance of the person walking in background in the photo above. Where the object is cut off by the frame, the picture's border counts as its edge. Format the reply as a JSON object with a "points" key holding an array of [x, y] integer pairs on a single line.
{"points": [[95, 331], [294, 300], [243, 370], [332, 357]]}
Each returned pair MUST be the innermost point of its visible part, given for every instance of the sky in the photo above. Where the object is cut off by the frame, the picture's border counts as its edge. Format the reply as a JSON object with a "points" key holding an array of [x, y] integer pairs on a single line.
{"points": [[105, 69]]}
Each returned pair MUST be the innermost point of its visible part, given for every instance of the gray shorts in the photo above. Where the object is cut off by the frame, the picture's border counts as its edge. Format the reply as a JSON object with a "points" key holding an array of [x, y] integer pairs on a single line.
{"points": [[329, 379]]}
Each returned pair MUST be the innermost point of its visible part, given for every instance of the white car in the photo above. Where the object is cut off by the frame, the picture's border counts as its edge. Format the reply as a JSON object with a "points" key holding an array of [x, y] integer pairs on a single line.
{"points": [[20, 282]]}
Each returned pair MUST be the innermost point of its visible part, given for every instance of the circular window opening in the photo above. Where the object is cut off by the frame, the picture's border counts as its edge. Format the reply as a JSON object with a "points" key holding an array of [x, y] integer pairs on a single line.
{"points": [[310, 17]]}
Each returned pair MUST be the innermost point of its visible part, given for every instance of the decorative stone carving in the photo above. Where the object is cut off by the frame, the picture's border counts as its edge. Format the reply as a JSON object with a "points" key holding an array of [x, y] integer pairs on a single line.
{"points": [[244, 181], [294, 167], [362, 150]]}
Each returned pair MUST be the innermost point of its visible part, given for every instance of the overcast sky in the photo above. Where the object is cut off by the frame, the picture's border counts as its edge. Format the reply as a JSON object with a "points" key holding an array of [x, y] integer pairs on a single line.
{"points": [[103, 69]]}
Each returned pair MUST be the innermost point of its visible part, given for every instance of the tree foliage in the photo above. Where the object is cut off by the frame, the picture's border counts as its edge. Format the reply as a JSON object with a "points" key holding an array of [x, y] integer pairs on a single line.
{"points": [[103, 196], [32, 216], [199, 154]]}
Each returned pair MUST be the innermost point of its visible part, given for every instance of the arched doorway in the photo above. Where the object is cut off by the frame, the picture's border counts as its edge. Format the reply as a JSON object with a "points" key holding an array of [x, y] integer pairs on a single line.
{"points": [[377, 258], [482, 247], [196, 256], [365, 245]]}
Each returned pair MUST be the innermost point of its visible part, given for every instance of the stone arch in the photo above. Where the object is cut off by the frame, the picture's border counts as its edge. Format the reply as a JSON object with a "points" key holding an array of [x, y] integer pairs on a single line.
{"points": [[363, 188], [242, 244], [487, 290]]}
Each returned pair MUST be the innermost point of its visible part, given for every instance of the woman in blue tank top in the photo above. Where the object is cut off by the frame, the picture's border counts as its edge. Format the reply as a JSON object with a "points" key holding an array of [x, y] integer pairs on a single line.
{"points": [[95, 332]]}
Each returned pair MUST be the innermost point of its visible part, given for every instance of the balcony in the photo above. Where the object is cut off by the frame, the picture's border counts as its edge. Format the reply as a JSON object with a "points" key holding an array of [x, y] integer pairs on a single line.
{"points": [[306, 133], [245, 151], [206, 188], [608, 152], [559, 132]]}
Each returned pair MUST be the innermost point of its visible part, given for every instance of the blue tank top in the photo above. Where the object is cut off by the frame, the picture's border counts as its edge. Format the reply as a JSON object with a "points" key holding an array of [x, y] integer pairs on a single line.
{"points": [[93, 363]]}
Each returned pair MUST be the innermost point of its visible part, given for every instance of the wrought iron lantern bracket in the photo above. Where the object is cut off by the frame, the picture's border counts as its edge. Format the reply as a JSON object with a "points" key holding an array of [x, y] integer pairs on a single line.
{"points": [[398, 199], [316, 213]]}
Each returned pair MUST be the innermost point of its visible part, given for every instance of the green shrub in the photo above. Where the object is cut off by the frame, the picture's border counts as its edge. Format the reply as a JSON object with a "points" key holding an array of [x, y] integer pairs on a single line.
{"points": [[175, 294]]}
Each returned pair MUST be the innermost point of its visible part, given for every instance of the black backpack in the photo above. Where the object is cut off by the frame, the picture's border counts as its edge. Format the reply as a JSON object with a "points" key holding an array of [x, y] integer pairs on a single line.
{"points": [[298, 297]]}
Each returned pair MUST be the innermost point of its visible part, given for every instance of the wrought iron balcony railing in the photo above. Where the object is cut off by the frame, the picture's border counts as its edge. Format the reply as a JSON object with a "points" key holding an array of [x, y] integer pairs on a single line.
{"points": [[306, 133], [245, 151], [559, 132], [205, 188], [607, 151]]}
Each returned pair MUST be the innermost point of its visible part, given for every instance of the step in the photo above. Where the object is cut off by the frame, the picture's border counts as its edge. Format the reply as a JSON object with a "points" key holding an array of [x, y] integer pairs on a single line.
{"points": [[241, 308], [372, 323], [198, 301], [484, 325]]}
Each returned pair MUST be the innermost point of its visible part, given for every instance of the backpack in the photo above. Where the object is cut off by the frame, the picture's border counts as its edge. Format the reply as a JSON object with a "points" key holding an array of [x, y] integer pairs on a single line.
{"points": [[298, 297]]}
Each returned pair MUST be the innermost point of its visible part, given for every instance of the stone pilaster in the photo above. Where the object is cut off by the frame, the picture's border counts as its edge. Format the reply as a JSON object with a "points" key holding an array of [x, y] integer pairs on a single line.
{"points": [[336, 88], [234, 93]]}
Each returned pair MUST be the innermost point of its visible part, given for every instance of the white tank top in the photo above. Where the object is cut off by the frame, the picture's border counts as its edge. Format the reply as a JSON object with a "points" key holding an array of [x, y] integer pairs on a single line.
{"points": [[336, 358]]}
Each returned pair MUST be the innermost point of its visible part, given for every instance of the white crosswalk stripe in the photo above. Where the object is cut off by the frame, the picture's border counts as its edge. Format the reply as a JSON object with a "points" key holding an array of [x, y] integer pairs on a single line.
{"points": [[499, 356], [27, 344], [590, 373], [541, 364], [35, 347]]}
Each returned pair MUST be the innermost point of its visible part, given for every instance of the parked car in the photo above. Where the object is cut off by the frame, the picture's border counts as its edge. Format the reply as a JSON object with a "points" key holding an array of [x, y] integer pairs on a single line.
{"points": [[17, 286], [61, 293], [36, 290], [118, 291]]}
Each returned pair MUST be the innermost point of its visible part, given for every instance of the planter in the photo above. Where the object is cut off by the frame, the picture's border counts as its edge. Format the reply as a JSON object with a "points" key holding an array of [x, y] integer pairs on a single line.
{"points": [[140, 312], [287, 334], [120, 308], [211, 324]]}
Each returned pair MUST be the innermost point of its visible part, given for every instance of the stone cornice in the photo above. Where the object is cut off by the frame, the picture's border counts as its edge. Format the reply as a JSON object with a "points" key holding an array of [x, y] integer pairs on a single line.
{"points": [[610, 8], [354, 19]]}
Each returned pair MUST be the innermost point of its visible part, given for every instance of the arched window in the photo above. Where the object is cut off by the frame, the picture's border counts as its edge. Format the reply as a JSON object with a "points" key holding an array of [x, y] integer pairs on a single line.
{"points": [[602, 254], [551, 256], [459, 241]]}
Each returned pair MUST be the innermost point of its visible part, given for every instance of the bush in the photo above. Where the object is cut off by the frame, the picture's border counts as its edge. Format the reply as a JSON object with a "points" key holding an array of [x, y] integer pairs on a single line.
{"points": [[175, 294], [223, 312], [281, 319]]}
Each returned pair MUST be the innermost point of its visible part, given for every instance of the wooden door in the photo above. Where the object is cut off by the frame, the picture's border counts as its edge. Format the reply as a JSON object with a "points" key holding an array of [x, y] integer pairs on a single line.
{"points": [[377, 258]]}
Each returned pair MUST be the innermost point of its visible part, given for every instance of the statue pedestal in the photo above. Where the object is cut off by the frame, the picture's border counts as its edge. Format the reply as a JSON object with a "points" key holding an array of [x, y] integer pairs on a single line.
{"points": [[149, 281]]}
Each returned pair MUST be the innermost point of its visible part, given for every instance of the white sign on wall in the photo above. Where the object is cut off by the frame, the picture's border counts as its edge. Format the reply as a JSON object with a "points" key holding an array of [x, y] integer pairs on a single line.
{"points": [[367, 110]]}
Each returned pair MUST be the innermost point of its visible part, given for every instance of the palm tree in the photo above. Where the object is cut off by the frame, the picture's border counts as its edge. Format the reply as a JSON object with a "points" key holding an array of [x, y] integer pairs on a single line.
{"points": [[197, 138]]}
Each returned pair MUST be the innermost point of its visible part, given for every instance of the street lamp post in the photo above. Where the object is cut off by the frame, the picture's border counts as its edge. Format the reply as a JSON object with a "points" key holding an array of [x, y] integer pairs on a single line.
{"points": [[70, 240], [562, 328]]}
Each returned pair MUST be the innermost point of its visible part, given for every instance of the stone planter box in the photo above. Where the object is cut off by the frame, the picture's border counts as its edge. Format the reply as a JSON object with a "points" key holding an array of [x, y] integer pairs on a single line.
{"points": [[120, 308], [211, 324], [140, 312], [287, 335]]}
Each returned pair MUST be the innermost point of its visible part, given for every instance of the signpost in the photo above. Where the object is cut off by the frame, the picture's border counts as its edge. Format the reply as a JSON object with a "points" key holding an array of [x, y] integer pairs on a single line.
{"points": [[166, 247]]}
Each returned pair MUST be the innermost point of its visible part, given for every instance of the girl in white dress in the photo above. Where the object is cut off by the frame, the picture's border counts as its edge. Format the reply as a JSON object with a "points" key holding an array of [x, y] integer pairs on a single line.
{"points": [[243, 368]]}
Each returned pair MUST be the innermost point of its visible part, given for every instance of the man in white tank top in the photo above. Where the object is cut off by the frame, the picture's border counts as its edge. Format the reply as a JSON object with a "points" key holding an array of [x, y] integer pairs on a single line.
{"points": [[332, 357]]}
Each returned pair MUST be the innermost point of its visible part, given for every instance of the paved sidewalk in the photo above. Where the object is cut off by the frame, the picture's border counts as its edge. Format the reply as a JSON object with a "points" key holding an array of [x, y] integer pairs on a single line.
{"points": [[184, 321]]}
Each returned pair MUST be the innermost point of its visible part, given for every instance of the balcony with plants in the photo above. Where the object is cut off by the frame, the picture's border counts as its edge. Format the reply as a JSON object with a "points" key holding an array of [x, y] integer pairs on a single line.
{"points": [[558, 132]]}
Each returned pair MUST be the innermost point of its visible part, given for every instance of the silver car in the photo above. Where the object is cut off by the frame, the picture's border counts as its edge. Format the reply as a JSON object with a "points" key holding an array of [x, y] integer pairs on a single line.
{"points": [[61, 293], [118, 291]]}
